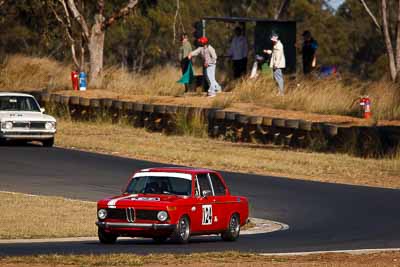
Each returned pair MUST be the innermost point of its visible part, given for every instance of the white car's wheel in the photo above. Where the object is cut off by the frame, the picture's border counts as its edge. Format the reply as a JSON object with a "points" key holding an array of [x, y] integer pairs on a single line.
{"points": [[48, 142]]}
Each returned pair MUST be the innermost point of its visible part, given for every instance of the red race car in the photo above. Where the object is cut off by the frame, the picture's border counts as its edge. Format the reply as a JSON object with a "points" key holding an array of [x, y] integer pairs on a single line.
{"points": [[176, 203]]}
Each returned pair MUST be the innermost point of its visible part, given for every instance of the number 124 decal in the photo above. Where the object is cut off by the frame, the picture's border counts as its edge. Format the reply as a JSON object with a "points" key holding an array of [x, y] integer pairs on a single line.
{"points": [[207, 215]]}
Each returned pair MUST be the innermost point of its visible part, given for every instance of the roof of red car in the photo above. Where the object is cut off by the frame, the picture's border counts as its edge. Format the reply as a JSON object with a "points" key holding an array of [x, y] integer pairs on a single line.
{"points": [[177, 169]]}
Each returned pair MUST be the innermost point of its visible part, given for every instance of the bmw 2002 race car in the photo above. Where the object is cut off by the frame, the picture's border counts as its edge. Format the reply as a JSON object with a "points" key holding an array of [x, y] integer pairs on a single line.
{"points": [[21, 118], [176, 203]]}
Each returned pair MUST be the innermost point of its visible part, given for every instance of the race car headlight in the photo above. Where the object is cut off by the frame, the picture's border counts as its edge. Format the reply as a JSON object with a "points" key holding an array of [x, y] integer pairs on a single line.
{"points": [[162, 216], [50, 125], [102, 214], [7, 125]]}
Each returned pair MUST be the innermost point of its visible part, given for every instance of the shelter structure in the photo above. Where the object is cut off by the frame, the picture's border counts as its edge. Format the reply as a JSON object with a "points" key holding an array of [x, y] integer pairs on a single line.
{"points": [[286, 29]]}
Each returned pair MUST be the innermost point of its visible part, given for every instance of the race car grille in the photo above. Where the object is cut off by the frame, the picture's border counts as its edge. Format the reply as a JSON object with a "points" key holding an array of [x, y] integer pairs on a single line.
{"points": [[130, 214], [147, 214], [116, 214], [30, 125], [38, 125], [21, 124]]}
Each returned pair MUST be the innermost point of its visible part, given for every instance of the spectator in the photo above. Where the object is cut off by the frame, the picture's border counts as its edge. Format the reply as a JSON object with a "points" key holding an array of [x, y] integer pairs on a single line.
{"points": [[209, 57], [238, 52], [184, 51], [309, 50], [277, 62]]}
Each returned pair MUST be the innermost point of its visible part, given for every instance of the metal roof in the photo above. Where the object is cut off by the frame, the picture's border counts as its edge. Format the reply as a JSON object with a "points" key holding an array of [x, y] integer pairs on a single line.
{"points": [[243, 19]]}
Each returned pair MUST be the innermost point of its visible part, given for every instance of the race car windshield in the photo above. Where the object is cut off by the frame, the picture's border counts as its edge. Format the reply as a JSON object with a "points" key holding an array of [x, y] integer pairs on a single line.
{"points": [[160, 185], [18, 103]]}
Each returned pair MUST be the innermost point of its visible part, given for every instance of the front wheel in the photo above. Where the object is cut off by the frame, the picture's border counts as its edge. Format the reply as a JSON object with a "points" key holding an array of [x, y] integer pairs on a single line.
{"points": [[48, 142], [106, 238], [182, 232], [233, 230]]}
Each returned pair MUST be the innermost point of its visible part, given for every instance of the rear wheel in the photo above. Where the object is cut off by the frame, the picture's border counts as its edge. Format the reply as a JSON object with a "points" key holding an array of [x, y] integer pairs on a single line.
{"points": [[233, 230], [182, 232], [106, 238], [48, 142]]}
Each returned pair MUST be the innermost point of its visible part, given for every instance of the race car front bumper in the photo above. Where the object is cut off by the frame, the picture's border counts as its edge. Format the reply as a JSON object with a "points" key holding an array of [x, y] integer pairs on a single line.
{"points": [[144, 226]]}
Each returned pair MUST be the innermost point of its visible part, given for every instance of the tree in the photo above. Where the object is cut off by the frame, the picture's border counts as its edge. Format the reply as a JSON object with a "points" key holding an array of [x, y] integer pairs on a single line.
{"points": [[392, 43], [92, 36]]}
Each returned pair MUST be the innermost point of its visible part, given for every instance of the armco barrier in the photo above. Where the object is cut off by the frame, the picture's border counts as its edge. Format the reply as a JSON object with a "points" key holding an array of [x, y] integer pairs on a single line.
{"points": [[374, 141]]}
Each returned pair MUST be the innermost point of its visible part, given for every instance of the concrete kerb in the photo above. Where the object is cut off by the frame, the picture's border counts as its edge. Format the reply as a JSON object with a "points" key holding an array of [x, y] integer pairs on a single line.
{"points": [[262, 226]]}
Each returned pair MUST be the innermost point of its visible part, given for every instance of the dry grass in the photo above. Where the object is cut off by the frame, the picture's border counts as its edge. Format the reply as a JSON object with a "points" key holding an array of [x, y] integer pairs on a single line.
{"points": [[40, 216], [191, 124], [19, 72], [207, 259], [203, 152], [328, 96], [160, 81]]}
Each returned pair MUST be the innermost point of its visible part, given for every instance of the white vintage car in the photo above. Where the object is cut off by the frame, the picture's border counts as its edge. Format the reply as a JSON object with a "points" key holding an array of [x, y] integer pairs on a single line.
{"points": [[22, 118]]}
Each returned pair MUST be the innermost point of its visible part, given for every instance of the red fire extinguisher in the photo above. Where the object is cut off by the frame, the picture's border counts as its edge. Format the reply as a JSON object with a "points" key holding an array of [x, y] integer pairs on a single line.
{"points": [[365, 104], [75, 80]]}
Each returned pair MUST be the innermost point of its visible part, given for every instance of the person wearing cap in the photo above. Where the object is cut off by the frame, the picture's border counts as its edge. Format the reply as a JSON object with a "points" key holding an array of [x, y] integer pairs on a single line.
{"points": [[184, 51], [209, 57], [309, 51], [238, 52], [277, 62]]}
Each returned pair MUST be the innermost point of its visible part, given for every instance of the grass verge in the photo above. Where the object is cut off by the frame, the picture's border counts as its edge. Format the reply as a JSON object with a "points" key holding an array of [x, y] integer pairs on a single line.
{"points": [[40, 216], [206, 259], [123, 140]]}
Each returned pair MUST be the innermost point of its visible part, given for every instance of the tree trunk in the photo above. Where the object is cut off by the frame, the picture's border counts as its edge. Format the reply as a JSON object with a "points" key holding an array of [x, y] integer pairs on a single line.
{"points": [[388, 42], [96, 48]]}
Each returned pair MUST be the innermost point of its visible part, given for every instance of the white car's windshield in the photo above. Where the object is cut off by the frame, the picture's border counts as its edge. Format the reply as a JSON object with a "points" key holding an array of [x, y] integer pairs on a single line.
{"points": [[160, 185], [18, 103]]}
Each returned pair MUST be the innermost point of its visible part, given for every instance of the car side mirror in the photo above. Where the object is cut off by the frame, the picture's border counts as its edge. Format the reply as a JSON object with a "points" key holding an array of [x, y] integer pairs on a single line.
{"points": [[207, 193], [42, 110]]}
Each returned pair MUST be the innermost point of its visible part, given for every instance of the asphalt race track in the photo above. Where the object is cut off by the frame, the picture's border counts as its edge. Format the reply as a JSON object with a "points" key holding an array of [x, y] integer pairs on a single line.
{"points": [[321, 216]]}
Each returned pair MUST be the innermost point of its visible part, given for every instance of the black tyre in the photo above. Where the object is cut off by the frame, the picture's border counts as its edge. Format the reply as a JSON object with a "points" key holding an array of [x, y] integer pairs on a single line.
{"points": [[160, 239], [182, 232], [106, 238], [233, 230], [48, 142]]}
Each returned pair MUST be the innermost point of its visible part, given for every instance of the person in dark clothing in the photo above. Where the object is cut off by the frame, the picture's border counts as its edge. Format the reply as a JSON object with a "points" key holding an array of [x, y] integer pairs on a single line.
{"points": [[238, 52], [309, 50], [184, 52]]}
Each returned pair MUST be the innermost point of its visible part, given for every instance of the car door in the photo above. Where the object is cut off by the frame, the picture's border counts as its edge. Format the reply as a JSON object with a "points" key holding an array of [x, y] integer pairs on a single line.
{"points": [[206, 217], [222, 205]]}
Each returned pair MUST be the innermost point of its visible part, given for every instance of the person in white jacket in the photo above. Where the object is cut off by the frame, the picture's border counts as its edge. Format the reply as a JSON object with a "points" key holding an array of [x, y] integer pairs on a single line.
{"points": [[277, 62]]}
